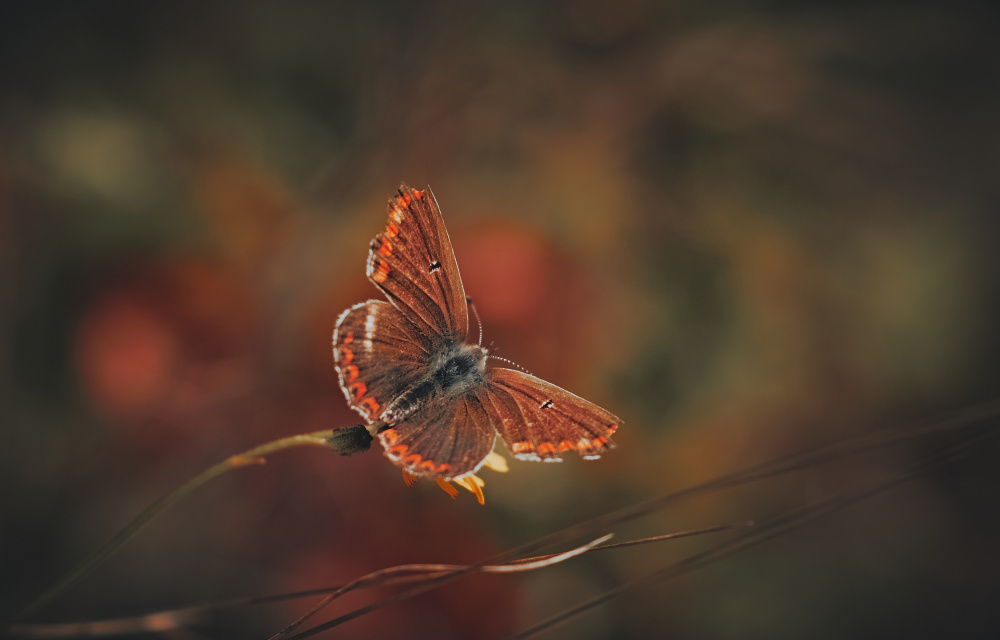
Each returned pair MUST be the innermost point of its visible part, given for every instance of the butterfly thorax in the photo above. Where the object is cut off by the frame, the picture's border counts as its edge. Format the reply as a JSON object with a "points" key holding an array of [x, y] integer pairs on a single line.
{"points": [[456, 369]]}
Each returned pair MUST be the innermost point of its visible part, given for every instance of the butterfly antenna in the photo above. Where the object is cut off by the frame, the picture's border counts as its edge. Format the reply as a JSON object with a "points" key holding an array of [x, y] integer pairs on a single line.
{"points": [[475, 312], [511, 363]]}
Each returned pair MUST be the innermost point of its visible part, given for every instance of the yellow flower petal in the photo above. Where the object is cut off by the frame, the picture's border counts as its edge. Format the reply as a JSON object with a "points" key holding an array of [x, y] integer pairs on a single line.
{"points": [[496, 462], [474, 484], [470, 482], [450, 490]]}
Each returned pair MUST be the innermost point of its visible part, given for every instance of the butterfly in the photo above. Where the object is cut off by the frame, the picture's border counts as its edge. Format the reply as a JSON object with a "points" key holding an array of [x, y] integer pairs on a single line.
{"points": [[407, 366]]}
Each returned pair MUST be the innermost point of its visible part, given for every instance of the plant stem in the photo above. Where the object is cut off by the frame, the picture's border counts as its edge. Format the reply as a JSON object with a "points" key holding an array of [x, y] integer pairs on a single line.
{"points": [[249, 457]]}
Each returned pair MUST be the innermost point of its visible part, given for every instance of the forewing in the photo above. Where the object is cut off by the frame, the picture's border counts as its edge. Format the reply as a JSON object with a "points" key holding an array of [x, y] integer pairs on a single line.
{"points": [[539, 421], [446, 438], [413, 263], [378, 354]]}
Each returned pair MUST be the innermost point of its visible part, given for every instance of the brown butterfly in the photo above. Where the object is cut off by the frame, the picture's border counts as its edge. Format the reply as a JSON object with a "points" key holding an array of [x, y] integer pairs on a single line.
{"points": [[406, 365]]}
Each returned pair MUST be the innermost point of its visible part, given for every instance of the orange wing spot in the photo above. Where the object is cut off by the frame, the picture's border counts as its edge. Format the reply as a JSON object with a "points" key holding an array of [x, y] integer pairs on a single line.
{"points": [[406, 198], [352, 372], [391, 230], [546, 448], [382, 273], [349, 338], [418, 193], [348, 355], [372, 404], [522, 447], [601, 440], [565, 445], [360, 389], [444, 468], [409, 478], [612, 428], [385, 249], [398, 451], [390, 436], [413, 459], [429, 465]]}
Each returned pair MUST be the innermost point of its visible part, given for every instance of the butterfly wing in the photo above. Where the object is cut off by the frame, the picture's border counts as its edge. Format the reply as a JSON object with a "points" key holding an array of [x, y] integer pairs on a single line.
{"points": [[414, 265], [446, 438], [378, 353], [539, 421]]}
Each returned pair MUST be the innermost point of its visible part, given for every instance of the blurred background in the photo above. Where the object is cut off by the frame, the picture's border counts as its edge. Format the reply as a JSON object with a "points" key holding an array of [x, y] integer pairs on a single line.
{"points": [[746, 228]]}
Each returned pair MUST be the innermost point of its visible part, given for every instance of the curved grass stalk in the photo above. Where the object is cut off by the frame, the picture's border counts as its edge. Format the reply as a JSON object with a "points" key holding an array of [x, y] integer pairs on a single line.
{"points": [[249, 457]]}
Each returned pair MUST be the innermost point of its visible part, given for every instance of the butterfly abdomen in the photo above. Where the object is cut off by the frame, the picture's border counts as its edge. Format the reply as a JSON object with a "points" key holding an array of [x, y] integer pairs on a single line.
{"points": [[410, 400]]}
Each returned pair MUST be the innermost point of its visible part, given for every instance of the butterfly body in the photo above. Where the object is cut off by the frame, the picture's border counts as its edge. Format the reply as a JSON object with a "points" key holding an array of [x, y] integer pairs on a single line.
{"points": [[454, 371], [407, 367]]}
